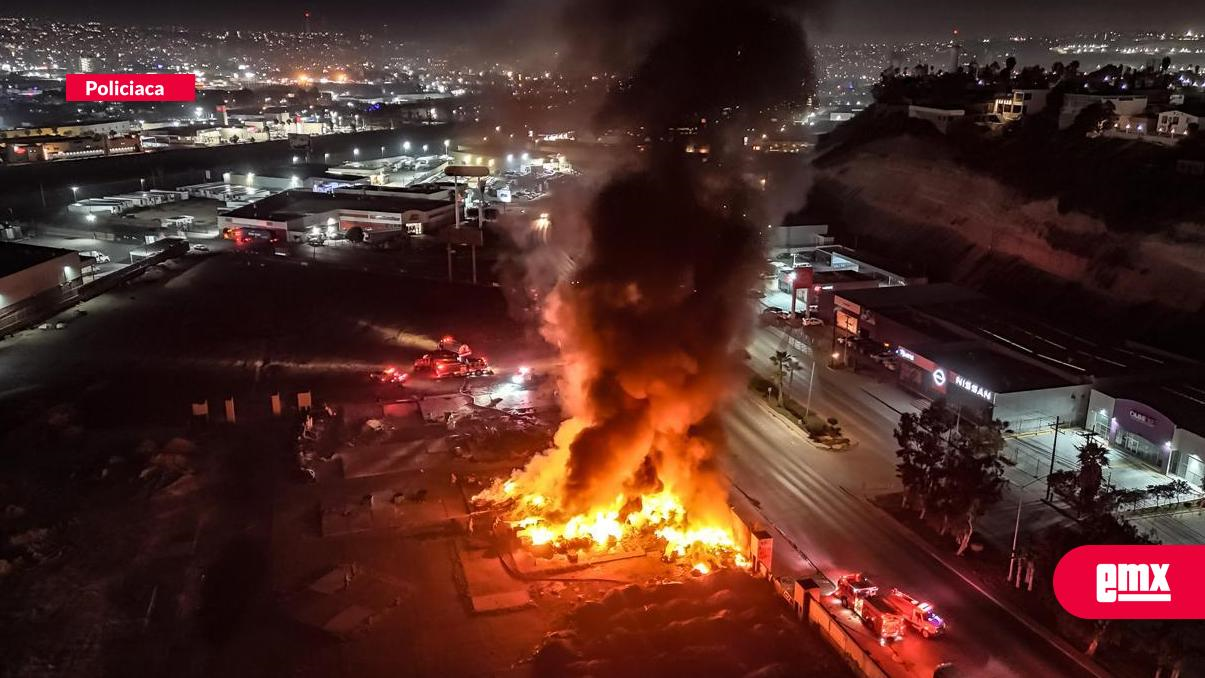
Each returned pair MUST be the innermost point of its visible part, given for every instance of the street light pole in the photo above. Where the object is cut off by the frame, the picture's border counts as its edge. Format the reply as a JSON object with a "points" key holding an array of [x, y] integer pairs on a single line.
{"points": [[1012, 559]]}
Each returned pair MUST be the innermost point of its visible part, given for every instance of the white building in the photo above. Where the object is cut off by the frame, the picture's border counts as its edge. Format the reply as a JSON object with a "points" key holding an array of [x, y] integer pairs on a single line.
{"points": [[104, 128], [1178, 122], [1074, 104], [1162, 424], [29, 270], [940, 117], [293, 215], [1019, 103]]}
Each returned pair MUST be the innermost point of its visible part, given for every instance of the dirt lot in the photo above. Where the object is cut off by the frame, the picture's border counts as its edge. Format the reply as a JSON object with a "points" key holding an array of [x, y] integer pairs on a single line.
{"points": [[109, 538], [137, 541], [247, 326]]}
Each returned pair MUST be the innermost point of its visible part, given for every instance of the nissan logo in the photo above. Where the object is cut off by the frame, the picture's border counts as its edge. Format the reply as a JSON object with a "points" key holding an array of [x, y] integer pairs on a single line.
{"points": [[939, 377]]}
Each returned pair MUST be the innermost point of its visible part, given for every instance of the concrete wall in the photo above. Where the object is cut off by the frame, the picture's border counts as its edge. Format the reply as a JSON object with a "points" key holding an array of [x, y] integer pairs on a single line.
{"points": [[940, 117], [36, 279], [1073, 104], [1027, 410], [1189, 459]]}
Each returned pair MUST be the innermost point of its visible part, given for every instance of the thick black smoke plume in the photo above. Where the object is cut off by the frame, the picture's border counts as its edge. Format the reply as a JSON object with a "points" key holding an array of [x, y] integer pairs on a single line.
{"points": [[707, 63], [654, 318]]}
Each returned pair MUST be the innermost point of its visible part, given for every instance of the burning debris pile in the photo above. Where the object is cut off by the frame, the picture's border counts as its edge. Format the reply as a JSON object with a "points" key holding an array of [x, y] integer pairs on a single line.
{"points": [[652, 321]]}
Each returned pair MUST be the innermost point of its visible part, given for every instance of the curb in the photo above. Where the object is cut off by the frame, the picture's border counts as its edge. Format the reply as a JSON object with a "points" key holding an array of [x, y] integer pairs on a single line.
{"points": [[800, 430], [1063, 646]]}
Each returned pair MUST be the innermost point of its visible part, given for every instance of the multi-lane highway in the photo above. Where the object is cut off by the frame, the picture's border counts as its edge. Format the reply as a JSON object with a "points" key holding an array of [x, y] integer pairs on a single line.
{"points": [[816, 498]]}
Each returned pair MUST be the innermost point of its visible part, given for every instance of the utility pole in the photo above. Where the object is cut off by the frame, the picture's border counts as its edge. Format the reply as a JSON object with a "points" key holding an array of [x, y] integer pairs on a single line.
{"points": [[480, 223], [1012, 560], [455, 220], [1053, 446]]}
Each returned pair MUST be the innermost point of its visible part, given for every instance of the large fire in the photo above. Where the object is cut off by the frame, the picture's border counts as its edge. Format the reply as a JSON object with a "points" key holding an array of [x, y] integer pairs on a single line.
{"points": [[652, 322], [537, 522], [633, 465]]}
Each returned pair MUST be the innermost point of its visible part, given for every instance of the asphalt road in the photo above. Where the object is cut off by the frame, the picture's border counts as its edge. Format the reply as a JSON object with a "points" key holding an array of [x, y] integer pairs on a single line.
{"points": [[841, 532], [817, 499]]}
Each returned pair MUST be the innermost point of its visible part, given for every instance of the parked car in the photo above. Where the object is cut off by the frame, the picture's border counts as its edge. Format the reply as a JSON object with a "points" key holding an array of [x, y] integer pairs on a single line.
{"points": [[812, 321], [97, 256]]}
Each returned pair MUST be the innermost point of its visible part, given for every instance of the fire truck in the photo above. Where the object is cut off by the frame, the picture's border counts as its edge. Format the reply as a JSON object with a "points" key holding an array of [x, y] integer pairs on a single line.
{"points": [[919, 615], [452, 359], [857, 592]]}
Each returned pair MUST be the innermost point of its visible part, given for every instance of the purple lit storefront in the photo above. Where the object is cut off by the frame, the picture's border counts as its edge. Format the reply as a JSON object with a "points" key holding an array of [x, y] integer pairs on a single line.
{"points": [[1140, 430]]}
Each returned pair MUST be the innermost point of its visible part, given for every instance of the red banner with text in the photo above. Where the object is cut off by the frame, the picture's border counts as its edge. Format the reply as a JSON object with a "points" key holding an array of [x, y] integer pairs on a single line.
{"points": [[131, 87]]}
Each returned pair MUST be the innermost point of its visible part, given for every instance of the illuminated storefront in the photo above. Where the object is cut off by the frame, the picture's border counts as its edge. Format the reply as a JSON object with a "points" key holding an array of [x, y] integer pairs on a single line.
{"points": [[1157, 424], [984, 384]]}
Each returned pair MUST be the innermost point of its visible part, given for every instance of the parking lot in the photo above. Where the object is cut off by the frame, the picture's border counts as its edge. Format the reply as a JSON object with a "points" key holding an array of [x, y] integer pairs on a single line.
{"points": [[213, 325]]}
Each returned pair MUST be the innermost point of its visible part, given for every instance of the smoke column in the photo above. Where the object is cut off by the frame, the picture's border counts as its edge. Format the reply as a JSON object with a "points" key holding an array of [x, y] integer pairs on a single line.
{"points": [[652, 323]]}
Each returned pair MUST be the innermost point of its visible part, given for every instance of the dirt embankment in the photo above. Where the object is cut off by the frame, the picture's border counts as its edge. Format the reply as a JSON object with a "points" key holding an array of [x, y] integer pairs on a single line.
{"points": [[906, 197]]}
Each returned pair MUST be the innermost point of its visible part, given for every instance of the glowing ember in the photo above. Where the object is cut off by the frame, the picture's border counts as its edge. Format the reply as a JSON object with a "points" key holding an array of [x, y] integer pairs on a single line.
{"points": [[659, 516], [701, 568]]}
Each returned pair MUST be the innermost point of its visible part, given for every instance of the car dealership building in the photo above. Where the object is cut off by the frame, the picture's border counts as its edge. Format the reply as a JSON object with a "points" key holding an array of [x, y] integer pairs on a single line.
{"points": [[991, 362]]}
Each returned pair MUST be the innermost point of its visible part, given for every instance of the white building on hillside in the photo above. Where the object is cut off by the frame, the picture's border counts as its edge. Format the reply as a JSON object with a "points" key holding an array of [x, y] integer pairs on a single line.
{"points": [[1019, 103], [1178, 122], [940, 117], [1074, 104]]}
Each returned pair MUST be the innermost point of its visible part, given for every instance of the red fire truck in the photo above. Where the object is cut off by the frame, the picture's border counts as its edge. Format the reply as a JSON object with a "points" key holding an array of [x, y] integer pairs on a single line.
{"points": [[452, 359], [920, 615], [857, 592]]}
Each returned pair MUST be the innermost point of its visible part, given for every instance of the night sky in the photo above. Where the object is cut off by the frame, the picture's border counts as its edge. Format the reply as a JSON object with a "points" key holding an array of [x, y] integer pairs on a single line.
{"points": [[466, 19]]}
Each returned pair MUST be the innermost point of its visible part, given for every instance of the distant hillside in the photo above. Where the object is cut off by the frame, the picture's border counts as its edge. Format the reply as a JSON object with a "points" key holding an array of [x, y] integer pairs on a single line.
{"points": [[1135, 254], [1129, 185]]}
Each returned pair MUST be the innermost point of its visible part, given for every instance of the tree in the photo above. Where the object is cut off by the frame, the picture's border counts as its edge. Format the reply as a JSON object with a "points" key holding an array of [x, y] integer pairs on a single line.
{"points": [[355, 234], [785, 363], [1169, 490], [1007, 74], [973, 477], [1165, 64], [1091, 476], [923, 439], [1093, 118]]}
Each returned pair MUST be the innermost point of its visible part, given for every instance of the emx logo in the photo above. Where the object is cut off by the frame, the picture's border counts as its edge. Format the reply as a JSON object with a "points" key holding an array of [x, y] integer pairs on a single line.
{"points": [[1132, 582]]}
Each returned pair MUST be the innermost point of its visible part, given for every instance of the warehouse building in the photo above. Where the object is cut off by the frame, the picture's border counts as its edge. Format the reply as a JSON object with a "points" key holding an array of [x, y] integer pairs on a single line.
{"points": [[29, 270], [291, 216]]}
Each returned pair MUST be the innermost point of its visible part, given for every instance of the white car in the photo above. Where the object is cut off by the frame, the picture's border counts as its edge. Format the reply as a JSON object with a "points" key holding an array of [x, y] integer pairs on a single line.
{"points": [[811, 321], [98, 257]]}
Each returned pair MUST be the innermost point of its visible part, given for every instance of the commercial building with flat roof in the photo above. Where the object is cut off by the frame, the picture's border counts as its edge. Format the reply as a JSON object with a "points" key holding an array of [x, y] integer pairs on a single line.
{"points": [[1160, 422], [291, 215], [985, 382], [989, 360], [29, 270]]}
